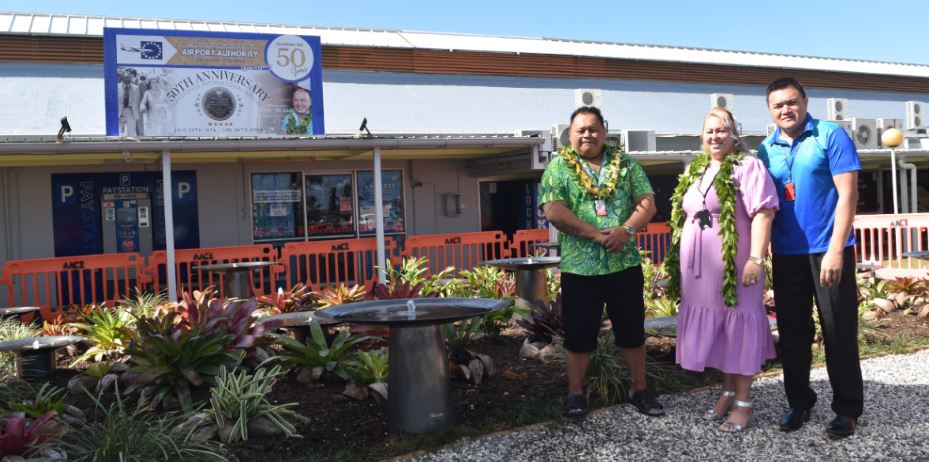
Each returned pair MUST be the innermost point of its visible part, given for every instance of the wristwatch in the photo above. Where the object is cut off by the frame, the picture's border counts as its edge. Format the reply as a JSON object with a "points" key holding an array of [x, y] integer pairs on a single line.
{"points": [[757, 260], [629, 230]]}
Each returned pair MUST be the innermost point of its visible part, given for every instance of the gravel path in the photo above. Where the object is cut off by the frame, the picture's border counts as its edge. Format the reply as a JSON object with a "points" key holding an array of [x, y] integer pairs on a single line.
{"points": [[895, 426]]}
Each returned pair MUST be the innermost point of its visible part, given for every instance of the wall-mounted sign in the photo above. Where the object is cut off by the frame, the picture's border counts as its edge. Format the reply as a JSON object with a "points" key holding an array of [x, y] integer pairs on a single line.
{"points": [[191, 83]]}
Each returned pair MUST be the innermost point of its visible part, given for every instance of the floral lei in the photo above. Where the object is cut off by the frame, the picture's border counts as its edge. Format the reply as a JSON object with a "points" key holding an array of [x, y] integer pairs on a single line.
{"points": [[293, 127], [726, 191], [588, 183]]}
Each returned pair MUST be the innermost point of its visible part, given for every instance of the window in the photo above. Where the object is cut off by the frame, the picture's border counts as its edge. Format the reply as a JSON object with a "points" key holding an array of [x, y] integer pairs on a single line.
{"points": [[277, 210], [330, 209], [391, 200]]}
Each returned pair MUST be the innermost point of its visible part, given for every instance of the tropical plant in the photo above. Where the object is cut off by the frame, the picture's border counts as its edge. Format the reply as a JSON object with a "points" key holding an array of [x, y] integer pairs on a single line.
{"points": [[868, 291], [171, 358], [15, 390], [13, 329], [544, 321], [369, 367], [909, 286], [490, 282], [660, 307], [48, 398], [552, 283], [59, 326], [20, 435], [460, 335], [132, 436], [217, 317], [110, 330], [98, 370], [239, 397], [317, 352], [340, 295], [495, 321], [410, 281], [147, 304], [298, 298], [654, 276]]}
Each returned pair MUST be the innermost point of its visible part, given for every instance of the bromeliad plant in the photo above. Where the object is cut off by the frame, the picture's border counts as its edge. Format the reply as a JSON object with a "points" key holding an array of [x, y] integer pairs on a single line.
{"points": [[21, 435], [111, 330], [544, 321], [48, 398], [317, 354], [238, 398], [298, 298], [146, 304], [340, 295], [13, 329], [228, 317]]}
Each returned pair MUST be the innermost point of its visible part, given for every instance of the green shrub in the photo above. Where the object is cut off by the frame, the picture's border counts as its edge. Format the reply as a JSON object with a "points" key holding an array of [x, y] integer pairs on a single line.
{"points": [[144, 304], [47, 398], [318, 352], [239, 397], [13, 329], [369, 367], [111, 330], [132, 436]]}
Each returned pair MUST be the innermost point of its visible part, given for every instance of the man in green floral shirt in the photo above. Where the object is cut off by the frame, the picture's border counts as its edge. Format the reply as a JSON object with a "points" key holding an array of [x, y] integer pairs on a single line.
{"points": [[597, 197]]}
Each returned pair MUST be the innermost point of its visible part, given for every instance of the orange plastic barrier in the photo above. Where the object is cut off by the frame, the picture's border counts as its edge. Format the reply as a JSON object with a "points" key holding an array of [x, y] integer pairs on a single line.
{"points": [[883, 239], [54, 283], [524, 240], [325, 263], [189, 278], [462, 250], [655, 238]]}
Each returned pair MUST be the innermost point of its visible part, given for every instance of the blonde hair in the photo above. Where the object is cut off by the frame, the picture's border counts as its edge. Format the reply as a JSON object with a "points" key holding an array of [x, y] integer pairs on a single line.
{"points": [[724, 116]]}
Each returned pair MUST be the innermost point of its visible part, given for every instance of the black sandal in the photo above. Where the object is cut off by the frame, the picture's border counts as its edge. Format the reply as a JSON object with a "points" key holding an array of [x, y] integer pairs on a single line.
{"points": [[575, 406], [646, 404]]}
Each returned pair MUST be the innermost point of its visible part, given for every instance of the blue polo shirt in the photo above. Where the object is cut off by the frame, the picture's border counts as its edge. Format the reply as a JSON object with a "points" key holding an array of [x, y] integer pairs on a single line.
{"points": [[822, 151]]}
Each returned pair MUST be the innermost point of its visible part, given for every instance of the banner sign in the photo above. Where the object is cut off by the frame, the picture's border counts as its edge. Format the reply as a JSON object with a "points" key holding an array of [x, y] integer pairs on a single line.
{"points": [[191, 83]]}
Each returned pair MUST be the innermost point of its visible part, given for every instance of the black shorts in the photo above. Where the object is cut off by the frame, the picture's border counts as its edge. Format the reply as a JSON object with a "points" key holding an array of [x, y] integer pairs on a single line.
{"points": [[583, 298]]}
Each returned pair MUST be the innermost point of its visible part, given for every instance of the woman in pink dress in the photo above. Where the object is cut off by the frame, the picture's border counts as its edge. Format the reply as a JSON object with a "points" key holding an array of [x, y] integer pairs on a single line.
{"points": [[722, 322]]}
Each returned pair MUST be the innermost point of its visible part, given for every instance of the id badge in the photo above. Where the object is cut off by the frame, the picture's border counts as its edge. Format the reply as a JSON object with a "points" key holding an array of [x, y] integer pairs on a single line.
{"points": [[600, 206], [789, 193]]}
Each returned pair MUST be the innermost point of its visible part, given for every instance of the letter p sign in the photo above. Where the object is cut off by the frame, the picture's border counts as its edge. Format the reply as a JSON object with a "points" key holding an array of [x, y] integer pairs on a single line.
{"points": [[182, 189], [66, 192]]}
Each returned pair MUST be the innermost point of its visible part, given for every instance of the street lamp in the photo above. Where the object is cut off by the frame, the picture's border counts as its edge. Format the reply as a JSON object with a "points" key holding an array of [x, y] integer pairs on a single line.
{"points": [[893, 137]]}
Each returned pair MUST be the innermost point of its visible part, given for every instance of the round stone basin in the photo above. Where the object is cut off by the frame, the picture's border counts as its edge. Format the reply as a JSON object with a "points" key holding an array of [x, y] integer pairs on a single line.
{"points": [[524, 263], [297, 318], [666, 326], [39, 343], [429, 311], [18, 310]]}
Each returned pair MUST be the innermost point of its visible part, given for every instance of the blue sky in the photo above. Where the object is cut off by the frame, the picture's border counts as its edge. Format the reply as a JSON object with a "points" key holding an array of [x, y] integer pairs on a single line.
{"points": [[885, 30]]}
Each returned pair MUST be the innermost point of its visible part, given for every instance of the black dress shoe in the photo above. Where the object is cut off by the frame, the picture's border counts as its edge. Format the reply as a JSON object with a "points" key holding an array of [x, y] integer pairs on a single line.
{"points": [[842, 427], [794, 419]]}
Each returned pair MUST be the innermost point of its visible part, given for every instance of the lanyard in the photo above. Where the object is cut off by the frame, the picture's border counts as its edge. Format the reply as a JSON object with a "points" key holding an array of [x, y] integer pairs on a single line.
{"points": [[702, 177], [601, 178]]}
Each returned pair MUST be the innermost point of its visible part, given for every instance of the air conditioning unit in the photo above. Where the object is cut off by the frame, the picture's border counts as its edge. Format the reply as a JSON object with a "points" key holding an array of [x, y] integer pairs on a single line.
{"points": [[722, 100], [614, 139], [639, 140], [847, 126], [837, 109], [864, 133], [915, 115], [884, 124], [540, 159], [561, 136], [588, 97], [770, 129]]}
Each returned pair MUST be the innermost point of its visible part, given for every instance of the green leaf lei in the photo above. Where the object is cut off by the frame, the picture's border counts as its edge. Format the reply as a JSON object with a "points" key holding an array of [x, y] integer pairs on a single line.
{"points": [[294, 127], [616, 170], [726, 191]]}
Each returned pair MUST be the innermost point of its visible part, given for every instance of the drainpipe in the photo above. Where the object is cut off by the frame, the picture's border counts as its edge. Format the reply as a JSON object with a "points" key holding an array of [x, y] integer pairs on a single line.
{"points": [[912, 183]]}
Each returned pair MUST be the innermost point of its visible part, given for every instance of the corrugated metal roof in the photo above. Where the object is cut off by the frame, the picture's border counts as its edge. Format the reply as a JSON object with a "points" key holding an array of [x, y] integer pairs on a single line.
{"points": [[83, 25]]}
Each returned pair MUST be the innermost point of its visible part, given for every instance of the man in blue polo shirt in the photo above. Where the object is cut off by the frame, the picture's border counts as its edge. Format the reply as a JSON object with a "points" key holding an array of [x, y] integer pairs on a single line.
{"points": [[815, 167]]}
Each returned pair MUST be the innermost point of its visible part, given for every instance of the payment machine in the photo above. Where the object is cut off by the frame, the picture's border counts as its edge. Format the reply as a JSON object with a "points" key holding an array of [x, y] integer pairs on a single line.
{"points": [[127, 223]]}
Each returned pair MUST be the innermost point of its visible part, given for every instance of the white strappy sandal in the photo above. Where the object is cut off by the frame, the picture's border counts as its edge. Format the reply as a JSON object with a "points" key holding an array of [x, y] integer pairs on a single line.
{"points": [[732, 427], [711, 413]]}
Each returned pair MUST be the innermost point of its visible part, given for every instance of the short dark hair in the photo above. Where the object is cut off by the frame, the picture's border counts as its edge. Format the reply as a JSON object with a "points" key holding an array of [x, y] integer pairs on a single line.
{"points": [[782, 83], [588, 110]]}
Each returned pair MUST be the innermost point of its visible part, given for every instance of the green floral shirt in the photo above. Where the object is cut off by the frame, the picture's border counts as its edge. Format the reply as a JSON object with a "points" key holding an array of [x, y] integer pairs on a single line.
{"points": [[582, 256]]}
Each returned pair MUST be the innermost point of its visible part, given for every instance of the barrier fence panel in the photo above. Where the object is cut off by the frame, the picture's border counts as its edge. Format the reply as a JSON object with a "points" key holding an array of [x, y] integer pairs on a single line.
{"points": [[655, 239], [883, 239], [461, 250], [189, 278], [325, 263], [54, 283], [524, 241]]}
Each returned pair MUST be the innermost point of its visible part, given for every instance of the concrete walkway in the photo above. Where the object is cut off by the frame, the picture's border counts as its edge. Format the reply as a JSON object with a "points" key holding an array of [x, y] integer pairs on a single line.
{"points": [[895, 426]]}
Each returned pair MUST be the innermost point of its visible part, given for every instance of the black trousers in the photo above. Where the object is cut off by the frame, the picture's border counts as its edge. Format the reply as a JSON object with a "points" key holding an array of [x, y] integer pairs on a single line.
{"points": [[796, 283]]}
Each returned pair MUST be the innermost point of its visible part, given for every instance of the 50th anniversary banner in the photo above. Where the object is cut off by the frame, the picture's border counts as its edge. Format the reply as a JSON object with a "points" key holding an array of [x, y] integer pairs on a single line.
{"points": [[187, 83]]}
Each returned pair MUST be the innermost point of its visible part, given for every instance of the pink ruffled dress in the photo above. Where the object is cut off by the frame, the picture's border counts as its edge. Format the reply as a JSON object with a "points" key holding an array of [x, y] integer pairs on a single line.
{"points": [[735, 340]]}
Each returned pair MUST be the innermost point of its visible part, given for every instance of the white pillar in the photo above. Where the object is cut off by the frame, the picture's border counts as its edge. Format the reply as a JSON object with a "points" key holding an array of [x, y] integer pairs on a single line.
{"points": [[379, 217], [168, 194]]}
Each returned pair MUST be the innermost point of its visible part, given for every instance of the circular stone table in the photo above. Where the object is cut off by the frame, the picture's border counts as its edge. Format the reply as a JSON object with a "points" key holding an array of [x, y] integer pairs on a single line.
{"points": [[35, 356], [298, 322], [531, 290], [418, 383], [235, 276], [17, 311]]}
